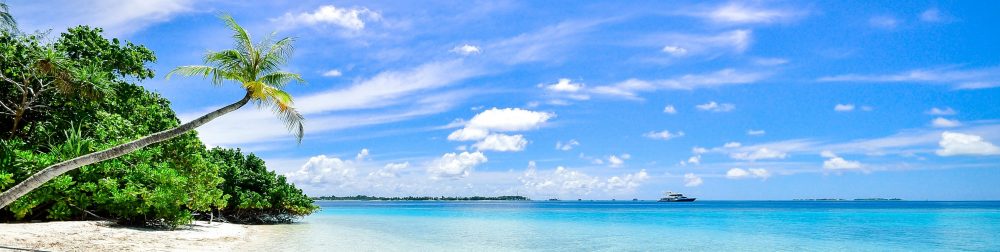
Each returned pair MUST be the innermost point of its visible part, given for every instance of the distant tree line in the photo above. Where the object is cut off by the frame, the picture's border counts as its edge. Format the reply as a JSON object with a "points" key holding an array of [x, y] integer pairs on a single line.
{"points": [[421, 198]]}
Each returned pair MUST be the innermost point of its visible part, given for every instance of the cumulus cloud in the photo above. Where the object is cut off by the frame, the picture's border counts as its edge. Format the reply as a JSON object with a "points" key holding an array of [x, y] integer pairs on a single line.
{"points": [[669, 109], [325, 170], [716, 107], [481, 126], [941, 111], [390, 170], [696, 159], [502, 142], [564, 85], [455, 165], [332, 73], [843, 107], [955, 144], [347, 18], [362, 155], [941, 122], [759, 154], [615, 161], [663, 135], [739, 173], [835, 162], [691, 180], [627, 182], [569, 145], [674, 50], [565, 181], [466, 49]]}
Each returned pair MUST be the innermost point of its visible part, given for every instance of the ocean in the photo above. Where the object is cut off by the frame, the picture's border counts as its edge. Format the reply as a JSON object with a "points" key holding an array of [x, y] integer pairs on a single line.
{"points": [[642, 226]]}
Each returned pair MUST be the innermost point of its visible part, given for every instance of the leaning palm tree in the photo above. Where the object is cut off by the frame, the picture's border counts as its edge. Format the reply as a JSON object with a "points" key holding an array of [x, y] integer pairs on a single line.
{"points": [[253, 66]]}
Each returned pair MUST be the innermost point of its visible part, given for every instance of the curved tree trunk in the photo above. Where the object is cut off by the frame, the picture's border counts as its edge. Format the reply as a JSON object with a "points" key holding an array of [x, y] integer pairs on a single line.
{"points": [[51, 172]]}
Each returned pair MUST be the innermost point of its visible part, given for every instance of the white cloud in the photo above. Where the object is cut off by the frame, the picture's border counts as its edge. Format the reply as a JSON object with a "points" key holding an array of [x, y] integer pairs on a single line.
{"points": [[674, 50], [716, 107], [466, 49], [699, 150], [843, 107], [941, 122], [696, 159], [629, 88], [332, 73], [931, 15], [738, 173], [390, 170], [663, 135], [958, 78], [616, 161], [732, 145], [770, 61], [885, 22], [117, 17], [759, 154], [564, 85], [627, 182], [669, 109], [362, 155], [569, 145], [941, 111], [691, 180], [509, 119], [835, 162], [455, 165], [954, 144], [747, 13], [481, 126], [753, 132], [501, 142], [567, 182], [325, 170], [347, 18]]}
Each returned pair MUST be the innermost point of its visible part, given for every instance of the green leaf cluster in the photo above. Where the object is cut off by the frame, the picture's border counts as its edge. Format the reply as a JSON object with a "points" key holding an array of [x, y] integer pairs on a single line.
{"points": [[91, 106]]}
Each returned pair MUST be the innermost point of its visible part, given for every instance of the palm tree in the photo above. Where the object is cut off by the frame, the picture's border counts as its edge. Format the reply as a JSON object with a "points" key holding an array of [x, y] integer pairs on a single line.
{"points": [[254, 66], [6, 20]]}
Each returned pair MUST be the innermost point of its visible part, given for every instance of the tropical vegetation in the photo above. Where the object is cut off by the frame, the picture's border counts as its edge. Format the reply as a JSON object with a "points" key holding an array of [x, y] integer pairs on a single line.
{"points": [[80, 140]]}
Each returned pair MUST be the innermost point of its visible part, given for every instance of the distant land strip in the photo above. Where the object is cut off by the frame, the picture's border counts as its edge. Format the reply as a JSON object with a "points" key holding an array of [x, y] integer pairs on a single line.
{"points": [[412, 198]]}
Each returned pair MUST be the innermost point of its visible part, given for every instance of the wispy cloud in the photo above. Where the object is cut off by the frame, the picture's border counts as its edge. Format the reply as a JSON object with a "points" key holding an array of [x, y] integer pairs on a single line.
{"points": [[742, 12], [958, 78], [116, 17], [631, 87]]}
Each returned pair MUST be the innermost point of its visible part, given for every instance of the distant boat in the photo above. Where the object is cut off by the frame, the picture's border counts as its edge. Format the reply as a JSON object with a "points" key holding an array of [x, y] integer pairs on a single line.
{"points": [[553, 199], [676, 197]]}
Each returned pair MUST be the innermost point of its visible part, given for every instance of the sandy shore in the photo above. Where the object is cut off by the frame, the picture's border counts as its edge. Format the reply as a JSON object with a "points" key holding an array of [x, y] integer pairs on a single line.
{"points": [[103, 236]]}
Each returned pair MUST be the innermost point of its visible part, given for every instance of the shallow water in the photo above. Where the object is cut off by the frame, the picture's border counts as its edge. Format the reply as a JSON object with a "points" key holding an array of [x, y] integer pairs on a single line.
{"points": [[642, 226]]}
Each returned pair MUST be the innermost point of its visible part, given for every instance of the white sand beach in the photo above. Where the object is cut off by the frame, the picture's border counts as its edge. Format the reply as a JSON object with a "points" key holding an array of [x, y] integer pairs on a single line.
{"points": [[105, 236]]}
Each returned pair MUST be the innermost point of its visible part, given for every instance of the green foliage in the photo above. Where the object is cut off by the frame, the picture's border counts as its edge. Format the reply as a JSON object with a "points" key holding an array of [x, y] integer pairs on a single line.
{"points": [[259, 195], [96, 108]]}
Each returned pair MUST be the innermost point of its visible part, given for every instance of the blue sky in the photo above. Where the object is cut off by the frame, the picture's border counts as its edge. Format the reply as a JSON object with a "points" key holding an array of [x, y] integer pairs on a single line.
{"points": [[598, 100]]}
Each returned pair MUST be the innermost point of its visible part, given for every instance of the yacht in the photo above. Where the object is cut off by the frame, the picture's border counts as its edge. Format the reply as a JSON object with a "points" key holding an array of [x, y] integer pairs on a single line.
{"points": [[676, 197]]}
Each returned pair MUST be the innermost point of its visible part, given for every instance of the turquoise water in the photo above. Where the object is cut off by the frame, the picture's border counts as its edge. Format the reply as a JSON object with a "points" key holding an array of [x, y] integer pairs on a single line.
{"points": [[643, 226]]}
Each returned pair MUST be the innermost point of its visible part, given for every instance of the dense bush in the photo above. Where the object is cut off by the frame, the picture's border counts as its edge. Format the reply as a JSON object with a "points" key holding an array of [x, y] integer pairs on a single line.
{"points": [[81, 102]]}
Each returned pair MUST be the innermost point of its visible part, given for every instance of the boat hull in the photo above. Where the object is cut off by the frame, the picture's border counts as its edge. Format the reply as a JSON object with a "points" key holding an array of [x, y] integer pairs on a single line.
{"points": [[678, 200]]}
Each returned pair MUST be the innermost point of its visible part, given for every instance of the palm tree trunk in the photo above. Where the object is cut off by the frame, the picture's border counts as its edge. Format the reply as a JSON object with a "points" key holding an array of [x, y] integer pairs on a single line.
{"points": [[51, 172]]}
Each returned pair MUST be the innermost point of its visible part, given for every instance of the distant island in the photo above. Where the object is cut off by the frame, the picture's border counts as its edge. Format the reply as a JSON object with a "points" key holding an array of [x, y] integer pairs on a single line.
{"points": [[862, 199], [412, 198]]}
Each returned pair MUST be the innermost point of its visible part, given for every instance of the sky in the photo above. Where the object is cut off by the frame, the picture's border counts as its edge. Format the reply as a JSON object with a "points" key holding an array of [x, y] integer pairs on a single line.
{"points": [[597, 99]]}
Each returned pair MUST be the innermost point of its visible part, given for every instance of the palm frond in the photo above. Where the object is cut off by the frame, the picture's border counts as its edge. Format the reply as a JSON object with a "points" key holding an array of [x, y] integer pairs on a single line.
{"points": [[217, 75], [281, 78], [277, 54], [243, 41], [281, 103]]}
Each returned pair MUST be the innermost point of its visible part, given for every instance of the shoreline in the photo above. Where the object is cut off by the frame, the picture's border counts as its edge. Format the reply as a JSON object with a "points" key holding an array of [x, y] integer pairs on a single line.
{"points": [[107, 236]]}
